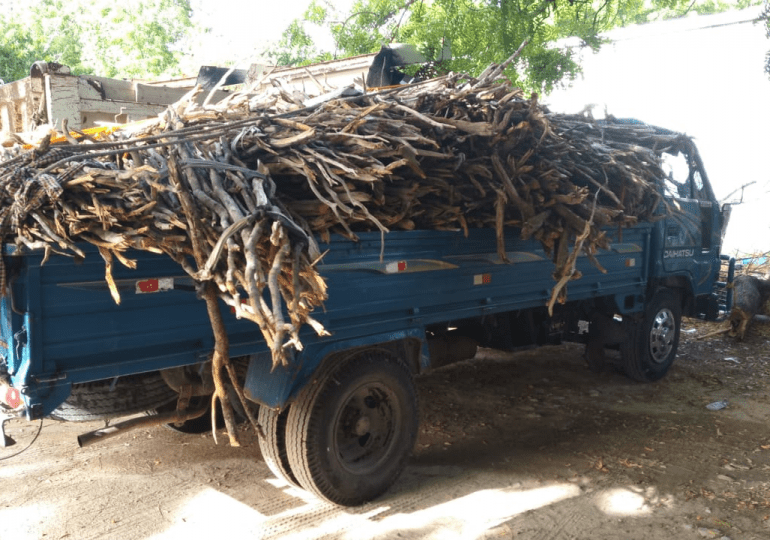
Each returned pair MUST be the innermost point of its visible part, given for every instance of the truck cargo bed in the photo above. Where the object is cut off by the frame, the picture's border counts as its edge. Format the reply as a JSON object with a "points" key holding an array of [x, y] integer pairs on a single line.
{"points": [[62, 318]]}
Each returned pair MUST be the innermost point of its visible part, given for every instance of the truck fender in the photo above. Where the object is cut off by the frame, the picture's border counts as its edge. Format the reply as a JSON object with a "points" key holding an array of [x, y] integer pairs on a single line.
{"points": [[274, 387]]}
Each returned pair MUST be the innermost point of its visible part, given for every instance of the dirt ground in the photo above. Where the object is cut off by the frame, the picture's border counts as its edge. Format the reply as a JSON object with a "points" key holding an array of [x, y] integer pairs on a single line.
{"points": [[527, 445]]}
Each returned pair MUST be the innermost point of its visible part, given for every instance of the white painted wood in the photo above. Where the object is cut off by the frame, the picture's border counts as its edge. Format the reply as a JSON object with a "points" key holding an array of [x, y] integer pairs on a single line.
{"points": [[166, 95], [7, 124], [63, 100], [116, 111]]}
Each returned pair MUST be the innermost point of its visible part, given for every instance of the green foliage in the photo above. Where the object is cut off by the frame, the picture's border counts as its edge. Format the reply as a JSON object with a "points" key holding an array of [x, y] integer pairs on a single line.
{"points": [[296, 46], [18, 50], [139, 38], [480, 32], [24, 42], [765, 18], [641, 12]]}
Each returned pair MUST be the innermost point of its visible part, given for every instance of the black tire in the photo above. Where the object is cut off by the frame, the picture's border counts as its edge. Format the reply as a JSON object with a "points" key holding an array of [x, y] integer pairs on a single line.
{"points": [[273, 444], [653, 340], [105, 399], [351, 430]]}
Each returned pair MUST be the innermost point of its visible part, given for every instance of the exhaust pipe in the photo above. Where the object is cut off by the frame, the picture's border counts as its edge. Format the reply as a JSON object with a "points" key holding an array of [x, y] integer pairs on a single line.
{"points": [[87, 439]]}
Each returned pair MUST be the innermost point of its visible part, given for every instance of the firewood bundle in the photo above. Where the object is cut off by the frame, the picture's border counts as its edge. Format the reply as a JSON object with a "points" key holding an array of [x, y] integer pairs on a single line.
{"points": [[240, 193]]}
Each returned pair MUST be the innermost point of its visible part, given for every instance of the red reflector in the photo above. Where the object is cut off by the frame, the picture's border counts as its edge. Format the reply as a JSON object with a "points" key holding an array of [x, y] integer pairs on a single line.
{"points": [[12, 398], [148, 285], [401, 266], [244, 302]]}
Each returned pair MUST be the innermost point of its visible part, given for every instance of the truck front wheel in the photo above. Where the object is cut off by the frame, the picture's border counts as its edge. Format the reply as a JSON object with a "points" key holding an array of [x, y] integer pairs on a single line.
{"points": [[350, 431], [652, 340]]}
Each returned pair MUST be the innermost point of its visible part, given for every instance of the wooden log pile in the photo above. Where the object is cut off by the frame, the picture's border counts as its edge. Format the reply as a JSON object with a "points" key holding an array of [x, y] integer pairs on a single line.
{"points": [[240, 193]]}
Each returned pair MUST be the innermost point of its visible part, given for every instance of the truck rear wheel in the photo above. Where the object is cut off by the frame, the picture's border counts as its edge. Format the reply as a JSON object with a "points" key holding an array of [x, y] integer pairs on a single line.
{"points": [[653, 340], [351, 430], [273, 444]]}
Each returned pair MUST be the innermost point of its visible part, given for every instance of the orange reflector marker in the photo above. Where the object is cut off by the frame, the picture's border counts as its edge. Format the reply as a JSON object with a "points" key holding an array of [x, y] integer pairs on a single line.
{"points": [[147, 286], [154, 285], [244, 304], [396, 267], [482, 279], [12, 398]]}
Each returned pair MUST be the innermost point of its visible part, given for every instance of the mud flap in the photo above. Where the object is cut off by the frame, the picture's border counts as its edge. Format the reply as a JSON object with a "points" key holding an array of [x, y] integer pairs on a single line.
{"points": [[268, 385], [604, 331]]}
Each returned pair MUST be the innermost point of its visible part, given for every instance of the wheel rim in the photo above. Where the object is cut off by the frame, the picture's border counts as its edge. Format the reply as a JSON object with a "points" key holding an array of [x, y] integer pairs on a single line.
{"points": [[662, 334], [365, 428]]}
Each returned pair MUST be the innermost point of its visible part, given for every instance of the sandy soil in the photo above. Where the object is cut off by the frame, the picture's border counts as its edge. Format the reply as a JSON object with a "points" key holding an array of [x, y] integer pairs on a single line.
{"points": [[528, 445]]}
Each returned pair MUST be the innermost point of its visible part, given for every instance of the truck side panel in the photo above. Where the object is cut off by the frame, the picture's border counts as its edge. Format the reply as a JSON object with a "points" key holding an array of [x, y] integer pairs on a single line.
{"points": [[69, 330]]}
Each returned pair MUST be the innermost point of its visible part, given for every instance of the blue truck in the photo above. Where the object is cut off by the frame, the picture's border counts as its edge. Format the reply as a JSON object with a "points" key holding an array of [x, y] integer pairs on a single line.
{"points": [[341, 420]]}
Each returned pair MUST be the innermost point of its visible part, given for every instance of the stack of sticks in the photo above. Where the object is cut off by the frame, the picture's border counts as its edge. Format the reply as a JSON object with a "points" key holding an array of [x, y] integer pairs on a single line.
{"points": [[241, 193]]}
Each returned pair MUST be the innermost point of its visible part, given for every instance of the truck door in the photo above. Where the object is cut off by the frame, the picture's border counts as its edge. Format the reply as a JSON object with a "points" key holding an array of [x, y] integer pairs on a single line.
{"points": [[691, 233]]}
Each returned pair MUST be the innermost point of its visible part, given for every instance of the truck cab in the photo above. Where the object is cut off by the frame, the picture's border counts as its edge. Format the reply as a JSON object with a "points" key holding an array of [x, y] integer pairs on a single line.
{"points": [[693, 230]]}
